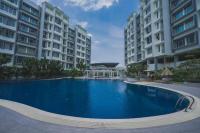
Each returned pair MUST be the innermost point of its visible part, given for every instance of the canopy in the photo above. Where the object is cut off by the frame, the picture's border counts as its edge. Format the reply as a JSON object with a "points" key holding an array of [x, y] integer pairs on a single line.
{"points": [[166, 72]]}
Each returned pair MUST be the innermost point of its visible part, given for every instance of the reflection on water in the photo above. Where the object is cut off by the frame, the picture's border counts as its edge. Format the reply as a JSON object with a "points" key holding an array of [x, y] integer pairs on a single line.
{"points": [[92, 98]]}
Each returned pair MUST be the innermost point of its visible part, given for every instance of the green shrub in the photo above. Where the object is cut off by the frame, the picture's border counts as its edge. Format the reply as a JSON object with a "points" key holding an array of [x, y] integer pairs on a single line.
{"points": [[188, 71], [135, 70]]}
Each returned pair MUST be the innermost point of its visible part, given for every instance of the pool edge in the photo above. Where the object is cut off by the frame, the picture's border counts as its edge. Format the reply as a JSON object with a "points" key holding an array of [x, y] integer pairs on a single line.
{"points": [[146, 122]]}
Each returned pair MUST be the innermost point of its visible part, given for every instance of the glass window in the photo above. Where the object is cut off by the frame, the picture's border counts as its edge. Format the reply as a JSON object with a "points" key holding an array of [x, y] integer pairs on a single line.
{"points": [[6, 45], [148, 10], [24, 17], [56, 45], [191, 39], [149, 50], [7, 21], [22, 38], [8, 8], [30, 9], [55, 54], [183, 12], [58, 21], [23, 28], [149, 39], [148, 29], [32, 41], [79, 34], [56, 37], [57, 29], [184, 26], [29, 19], [6, 33]]}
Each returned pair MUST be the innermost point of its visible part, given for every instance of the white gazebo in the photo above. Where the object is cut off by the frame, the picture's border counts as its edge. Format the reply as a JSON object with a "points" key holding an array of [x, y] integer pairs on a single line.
{"points": [[103, 71]]}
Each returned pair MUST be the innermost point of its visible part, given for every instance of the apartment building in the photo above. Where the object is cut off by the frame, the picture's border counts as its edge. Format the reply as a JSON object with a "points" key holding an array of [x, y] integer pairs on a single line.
{"points": [[88, 50], [83, 46], [71, 46], [157, 35], [168, 30], [8, 27], [60, 41], [54, 34], [41, 31], [132, 35], [27, 31], [185, 29]]}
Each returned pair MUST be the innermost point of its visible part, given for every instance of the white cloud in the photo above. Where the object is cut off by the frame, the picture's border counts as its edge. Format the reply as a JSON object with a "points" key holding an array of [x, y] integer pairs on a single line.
{"points": [[91, 4], [84, 24], [96, 42], [39, 1], [90, 34]]}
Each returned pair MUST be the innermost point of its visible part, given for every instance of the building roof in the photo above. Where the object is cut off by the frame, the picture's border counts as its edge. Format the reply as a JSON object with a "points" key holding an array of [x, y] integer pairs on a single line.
{"points": [[110, 64]]}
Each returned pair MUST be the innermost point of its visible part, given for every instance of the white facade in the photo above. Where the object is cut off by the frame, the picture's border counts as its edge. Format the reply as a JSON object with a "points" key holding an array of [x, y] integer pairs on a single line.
{"points": [[157, 34], [61, 41], [156, 28], [54, 35], [131, 40], [160, 45], [28, 30], [82, 46], [8, 27]]}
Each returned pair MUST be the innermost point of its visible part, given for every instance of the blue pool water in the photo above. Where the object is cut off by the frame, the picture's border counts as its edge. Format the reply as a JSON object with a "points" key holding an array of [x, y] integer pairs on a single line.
{"points": [[104, 99]]}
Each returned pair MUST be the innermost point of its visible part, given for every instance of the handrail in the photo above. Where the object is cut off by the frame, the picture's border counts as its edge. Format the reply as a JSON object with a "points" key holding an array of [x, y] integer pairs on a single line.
{"points": [[190, 106], [181, 99]]}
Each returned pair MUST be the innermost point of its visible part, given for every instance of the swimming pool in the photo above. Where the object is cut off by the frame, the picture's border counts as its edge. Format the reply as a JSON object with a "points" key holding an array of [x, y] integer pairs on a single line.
{"points": [[101, 99]]}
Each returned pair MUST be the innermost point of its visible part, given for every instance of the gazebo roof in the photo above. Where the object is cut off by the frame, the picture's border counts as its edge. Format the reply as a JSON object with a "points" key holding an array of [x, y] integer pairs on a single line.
{"points": [[166, 72]]}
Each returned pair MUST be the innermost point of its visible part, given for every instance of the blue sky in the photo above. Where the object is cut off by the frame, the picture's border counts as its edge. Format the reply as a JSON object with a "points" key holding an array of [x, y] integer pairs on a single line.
{"points": [[104, 20]]}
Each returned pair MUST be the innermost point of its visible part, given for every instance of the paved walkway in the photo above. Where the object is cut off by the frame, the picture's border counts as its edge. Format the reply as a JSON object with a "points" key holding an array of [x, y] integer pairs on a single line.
{"points": [[12, 122]]}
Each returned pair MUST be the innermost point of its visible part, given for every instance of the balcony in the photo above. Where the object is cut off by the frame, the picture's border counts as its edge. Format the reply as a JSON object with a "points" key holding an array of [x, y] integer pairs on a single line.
{"points": [[177, 4], [7, 51], [8, 14], [13, 3], [8, 27], [7, 38], [56, 50], [56, 58]]}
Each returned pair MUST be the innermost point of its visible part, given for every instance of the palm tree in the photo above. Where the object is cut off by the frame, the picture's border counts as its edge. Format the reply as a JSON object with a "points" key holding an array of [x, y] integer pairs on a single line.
{"points": [[54, 68], [3, 59], [29, 66], [136, 69], [42, 68], [4, 72], [81, 66]]}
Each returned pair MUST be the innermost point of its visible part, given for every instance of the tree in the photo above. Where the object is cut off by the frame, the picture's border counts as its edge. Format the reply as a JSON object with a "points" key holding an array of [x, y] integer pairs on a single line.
{"points": [[81, 66], [75, 73], [54, 68], [4, 71], [188, 71], [29, 67], [3, 59], [135, 70], [42, 68], [16, 71]]}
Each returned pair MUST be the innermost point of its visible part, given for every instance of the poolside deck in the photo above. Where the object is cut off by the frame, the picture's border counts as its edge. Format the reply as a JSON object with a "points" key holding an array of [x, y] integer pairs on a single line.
{"points": [[12, 122]]}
